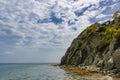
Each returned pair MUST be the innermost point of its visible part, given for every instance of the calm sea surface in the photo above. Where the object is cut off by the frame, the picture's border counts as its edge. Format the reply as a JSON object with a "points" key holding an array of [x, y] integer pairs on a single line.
{"points": [[37, 72]]}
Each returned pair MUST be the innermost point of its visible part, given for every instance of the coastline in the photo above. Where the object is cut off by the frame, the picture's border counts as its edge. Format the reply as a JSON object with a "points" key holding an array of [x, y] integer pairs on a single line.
{"points": [[89, 71]]}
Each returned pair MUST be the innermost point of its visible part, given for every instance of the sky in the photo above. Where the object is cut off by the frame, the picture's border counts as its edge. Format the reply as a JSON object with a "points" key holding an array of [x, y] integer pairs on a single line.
{"points": [[40, 31]]}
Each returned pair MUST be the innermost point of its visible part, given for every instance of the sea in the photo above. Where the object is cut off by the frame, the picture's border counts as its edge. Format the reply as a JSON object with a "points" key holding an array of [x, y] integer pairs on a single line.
{"points": [[37, 71]]}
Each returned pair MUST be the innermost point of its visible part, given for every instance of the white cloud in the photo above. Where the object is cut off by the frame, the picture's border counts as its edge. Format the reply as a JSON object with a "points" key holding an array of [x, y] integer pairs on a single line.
{"points": [[22, 16]]}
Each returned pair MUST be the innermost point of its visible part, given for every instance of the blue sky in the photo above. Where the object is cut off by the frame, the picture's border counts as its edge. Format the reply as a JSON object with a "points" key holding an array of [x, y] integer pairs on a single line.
{"points": [[41, 31]]}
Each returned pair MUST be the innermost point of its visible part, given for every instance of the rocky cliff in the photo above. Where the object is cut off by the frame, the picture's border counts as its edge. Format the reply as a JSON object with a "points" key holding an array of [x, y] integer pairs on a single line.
{"points": [[98, 44]]}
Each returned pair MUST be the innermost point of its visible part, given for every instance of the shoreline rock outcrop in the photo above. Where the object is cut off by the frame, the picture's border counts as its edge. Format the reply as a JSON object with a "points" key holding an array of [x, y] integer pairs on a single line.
{"points": [[98, 44]]}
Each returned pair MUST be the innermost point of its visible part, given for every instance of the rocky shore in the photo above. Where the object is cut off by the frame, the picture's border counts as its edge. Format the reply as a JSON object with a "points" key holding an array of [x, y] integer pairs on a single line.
{"points": [[89, 71]]}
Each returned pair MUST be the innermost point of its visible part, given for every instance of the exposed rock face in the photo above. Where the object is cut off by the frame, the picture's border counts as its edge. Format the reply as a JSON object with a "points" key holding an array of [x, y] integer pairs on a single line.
{"points": [[116, 58], [96, 45]]}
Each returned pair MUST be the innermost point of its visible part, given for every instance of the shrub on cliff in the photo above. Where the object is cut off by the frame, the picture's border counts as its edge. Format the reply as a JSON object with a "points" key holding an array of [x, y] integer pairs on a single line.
{"points": [[102, 29]]}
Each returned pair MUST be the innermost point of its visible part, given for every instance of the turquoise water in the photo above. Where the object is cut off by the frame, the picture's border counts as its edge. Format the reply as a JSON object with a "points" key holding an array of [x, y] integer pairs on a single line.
{"points": [[36, 72]]}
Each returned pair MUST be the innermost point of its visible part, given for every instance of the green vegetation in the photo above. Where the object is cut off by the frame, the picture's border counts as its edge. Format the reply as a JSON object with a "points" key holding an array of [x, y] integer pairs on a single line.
{"points": [[80, 41], [104, 43], [117, 34], [109, 34], [110, 31], [102, 29], [90, 30]]}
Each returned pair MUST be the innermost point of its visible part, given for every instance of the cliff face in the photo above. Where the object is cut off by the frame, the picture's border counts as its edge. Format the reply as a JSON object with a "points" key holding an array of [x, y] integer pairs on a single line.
{"points": [[98, 45]]}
